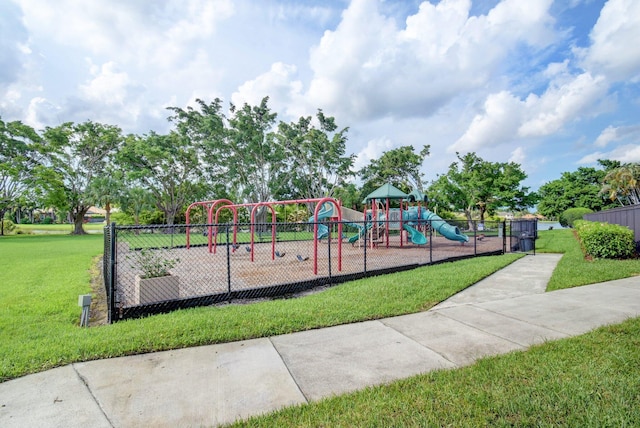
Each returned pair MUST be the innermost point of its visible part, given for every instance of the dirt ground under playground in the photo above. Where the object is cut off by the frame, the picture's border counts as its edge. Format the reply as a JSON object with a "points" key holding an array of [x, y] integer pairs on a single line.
{"points": [[203, 273]]}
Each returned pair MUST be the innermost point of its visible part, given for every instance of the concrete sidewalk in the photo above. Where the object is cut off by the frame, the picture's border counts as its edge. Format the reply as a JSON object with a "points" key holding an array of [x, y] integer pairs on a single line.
{"points": [[211, 385]]}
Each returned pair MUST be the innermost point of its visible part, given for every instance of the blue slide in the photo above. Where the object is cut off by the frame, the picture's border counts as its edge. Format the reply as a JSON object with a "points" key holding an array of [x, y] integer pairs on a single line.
{"points": [[437, 223], [415, 235], [443, 228], [326, 211]]}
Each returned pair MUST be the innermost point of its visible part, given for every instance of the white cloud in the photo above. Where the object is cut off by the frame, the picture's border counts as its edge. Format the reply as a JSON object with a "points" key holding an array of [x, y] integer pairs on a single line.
{"points": [[619, 133], [499, 123], [625, 154], [369, 68], [373, 150], [561, 104], [40, 113], [135, 32], [615, 50], [518, 156], [280, 84], [505, 117], [108, 86]]}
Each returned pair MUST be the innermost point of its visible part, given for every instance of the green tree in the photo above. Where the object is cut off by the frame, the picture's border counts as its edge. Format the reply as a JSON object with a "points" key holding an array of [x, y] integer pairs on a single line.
{"points": [[577, 189], [205, 127], [106, 190], [622, 183], [316, 157], [253, 158], [18, 157], [240, 151], [400, 167], [77, 155], [135, 200], [169, 166], [475, 184], [350, 196]]}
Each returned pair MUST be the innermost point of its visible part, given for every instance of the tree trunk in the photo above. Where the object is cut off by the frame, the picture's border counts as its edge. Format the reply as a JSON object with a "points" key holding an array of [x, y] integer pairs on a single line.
{"points": [[107, 217], [77, 216], [467, 213], [2, 222], [77, 226]]}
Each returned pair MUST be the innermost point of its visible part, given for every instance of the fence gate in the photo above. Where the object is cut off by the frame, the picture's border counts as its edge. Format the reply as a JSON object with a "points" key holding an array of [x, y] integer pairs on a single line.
{"points": [[523, 235]]}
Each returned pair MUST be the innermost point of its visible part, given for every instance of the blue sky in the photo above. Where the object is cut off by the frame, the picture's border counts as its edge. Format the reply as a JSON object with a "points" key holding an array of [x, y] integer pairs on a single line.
{"points": [[550, 85]]}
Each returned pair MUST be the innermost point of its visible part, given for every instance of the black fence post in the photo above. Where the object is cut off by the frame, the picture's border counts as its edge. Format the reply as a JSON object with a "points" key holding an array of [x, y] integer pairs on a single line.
{"points": [[329, 250], [365, 233], [228, 262], [430, 241], [111, 313], [475, 237]]}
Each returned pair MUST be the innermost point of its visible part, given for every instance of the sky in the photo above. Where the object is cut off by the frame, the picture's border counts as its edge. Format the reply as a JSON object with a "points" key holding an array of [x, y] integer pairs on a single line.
{"points": [[551, 85]]}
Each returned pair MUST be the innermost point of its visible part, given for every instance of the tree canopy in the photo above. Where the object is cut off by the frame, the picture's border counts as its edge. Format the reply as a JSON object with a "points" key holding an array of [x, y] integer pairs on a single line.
{"points": [[400, 167], [19, 146], [317, 163], [472, 183], [77, 156], [622, 184], [247, 155], [577, 189]]}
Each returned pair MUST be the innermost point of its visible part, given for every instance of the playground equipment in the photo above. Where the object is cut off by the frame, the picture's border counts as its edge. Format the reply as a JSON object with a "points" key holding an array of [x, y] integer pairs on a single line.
{"points": [[326, 211], [402, 218], [325, 208]]}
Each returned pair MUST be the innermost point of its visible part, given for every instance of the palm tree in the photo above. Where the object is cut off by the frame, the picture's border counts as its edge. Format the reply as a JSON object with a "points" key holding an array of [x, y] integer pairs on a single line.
{"points": [[623, 184]]}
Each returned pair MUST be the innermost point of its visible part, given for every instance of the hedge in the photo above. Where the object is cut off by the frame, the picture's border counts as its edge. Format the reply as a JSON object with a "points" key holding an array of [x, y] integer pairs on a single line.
{"points": [[606, 241], [572, 214]]}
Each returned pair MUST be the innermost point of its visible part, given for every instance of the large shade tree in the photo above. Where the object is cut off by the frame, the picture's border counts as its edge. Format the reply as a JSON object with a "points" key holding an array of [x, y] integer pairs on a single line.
{"points": [[315, 155], [76, 156], [400, 167], [18, 158], [169, 166], [576, 189], [474, 184], [240, 151]]}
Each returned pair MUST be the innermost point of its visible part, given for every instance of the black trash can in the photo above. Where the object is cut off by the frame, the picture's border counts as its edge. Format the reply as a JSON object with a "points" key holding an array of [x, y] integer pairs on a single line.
{"points": [[526, 243]]}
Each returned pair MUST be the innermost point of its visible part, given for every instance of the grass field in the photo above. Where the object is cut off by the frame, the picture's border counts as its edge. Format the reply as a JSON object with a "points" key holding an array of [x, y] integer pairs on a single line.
{"points": [[574, 269], [590, 380], [587, 381], [59, 228], [44, 275]]}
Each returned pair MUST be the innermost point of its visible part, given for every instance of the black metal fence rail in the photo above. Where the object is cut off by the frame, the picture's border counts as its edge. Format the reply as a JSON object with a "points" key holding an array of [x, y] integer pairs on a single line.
{"points": [[215, 263]]}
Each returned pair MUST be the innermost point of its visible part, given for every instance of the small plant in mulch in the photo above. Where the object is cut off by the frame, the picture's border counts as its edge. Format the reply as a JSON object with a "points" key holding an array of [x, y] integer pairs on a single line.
{"points": [[152, 263]]}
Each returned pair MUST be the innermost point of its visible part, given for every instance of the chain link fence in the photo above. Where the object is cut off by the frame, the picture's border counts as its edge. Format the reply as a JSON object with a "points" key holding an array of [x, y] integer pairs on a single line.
{"points": [[155, 269]]}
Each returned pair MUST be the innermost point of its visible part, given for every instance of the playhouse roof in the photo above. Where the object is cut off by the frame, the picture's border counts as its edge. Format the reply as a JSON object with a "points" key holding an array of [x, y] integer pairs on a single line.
{"points": [[386, 191]]}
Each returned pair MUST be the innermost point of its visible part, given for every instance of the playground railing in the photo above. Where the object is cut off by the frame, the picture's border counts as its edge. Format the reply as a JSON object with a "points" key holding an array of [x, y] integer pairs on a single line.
{"points": [[157, 268]]}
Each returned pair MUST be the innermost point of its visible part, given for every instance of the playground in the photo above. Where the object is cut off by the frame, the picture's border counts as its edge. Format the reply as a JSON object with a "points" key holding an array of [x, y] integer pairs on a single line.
{"points": [[214, 261]]}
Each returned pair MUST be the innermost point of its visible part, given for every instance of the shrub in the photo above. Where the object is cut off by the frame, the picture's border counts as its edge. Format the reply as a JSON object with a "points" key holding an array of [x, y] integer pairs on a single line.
{"points": [[572, 214], [122, 219], [152, 263], [25, 220], [47, 220], [604, 240], [8, 226]]}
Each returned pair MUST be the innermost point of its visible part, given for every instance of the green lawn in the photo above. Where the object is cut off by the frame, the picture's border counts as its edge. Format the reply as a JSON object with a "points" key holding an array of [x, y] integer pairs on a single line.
{"points": [[574, 269], [44, 274], [590, 380], [59, 228], [587, 381]]}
